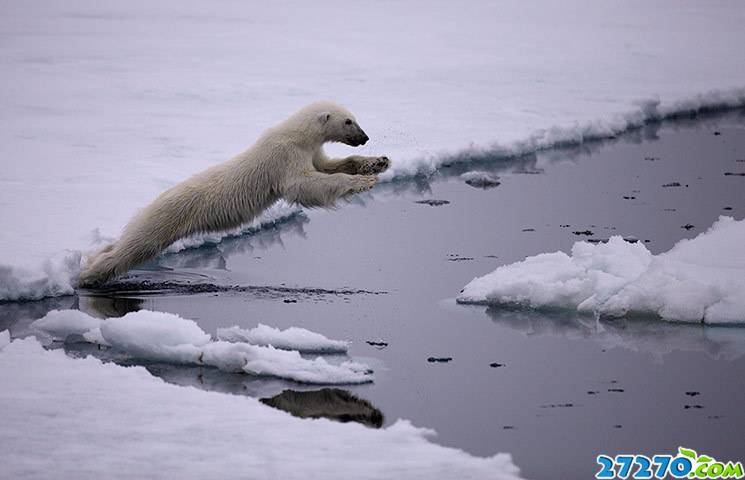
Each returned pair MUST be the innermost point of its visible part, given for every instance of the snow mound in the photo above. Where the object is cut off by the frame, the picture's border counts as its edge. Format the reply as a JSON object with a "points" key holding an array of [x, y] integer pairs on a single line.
{"points": [[4, 339], [63, 323], [293, 338], [175, 432], [51, 277], [698, 280], [164, 337]]}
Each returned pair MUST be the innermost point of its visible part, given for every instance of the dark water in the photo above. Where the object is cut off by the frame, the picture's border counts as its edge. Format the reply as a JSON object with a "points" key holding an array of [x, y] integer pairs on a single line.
{"points": [[386, 268]]}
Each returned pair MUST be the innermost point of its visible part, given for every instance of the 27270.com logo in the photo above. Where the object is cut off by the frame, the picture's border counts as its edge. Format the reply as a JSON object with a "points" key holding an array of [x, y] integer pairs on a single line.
{"points": [[686, 464]]}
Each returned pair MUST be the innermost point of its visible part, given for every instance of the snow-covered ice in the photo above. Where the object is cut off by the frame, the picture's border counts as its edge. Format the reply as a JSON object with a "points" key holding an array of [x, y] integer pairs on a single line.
{"points": [[165, 337], [183, 432], [293, 338], [106, 104], [63, 323], [698, 280]]}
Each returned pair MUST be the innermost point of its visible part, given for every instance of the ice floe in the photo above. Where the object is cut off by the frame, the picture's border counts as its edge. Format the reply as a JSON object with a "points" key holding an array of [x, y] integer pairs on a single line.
{"points": [[293, 338], [698, 280], [165, 337]]}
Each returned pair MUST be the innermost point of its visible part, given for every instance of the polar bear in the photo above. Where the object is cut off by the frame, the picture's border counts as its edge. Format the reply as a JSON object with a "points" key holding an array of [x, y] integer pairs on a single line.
{"points": [[287, 161]]}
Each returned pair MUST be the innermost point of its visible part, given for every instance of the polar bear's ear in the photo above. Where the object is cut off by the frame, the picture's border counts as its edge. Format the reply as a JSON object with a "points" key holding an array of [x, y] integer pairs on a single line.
{"points": [[323, 117]]}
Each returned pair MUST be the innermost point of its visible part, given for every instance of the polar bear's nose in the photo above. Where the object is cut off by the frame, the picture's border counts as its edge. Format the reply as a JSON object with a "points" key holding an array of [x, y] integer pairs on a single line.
{"points": [[364, 138]]}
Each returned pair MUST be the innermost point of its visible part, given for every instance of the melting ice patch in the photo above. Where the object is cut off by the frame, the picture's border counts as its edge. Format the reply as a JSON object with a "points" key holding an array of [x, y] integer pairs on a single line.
{"points": [[212, 435], [292, 338], [165, 337], [698, 280]]}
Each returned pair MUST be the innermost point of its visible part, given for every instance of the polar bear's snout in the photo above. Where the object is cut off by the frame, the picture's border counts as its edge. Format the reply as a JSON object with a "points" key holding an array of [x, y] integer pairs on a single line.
{"points": [[358, 138]]}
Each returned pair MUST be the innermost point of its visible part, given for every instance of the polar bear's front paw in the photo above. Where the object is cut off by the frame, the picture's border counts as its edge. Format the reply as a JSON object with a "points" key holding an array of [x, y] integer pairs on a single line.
{"points": [[363, 183], [374, 165]]}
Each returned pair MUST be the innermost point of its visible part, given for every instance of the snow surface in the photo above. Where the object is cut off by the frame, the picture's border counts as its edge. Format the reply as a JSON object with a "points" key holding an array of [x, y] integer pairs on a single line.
{"points": [[698, 280], [293, 338], [165, 337], [106, 104], [182, 432]]}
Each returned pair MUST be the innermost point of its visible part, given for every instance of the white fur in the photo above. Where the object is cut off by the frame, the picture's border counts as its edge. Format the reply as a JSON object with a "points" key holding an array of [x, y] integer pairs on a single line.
{"points": [[286, 162]]}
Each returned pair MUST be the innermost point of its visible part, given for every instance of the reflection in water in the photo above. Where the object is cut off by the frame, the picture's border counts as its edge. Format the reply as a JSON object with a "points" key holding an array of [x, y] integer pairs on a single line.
{"points": [[17, 316], [212, 256], [302, 401], [640, 335], [105, 307], [331, 403]]}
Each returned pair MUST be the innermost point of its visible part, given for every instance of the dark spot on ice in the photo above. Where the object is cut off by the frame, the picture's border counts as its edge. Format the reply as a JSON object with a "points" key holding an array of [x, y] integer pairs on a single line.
{"points": [[647, 240], [592, 392], [616, 390], [584, 232], [651, 159], [558, 405], [617, 426], [670, 209], [735, 174], [528, 229], [597, 240], [630, 239], [698, 407], [693, 394], [671, 184], [433, 202], [565, 226], [714, 417], [508, 427], [717, 133], [688, 226], [727, 208], [496, 365], [289, 300], [490, 256], [378, 345], [629, 197], [439, 359]]}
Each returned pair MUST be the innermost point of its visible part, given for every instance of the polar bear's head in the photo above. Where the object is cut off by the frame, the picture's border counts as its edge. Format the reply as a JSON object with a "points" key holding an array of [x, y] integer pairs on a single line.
{"points": [[333, 123]]}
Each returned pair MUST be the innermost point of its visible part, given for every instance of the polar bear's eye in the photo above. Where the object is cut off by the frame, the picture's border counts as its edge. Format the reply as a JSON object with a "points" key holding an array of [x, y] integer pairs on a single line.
{"points": [[348, 122]]}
